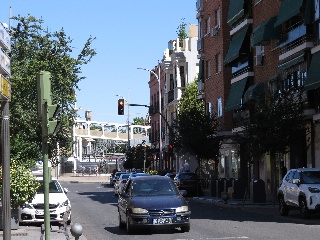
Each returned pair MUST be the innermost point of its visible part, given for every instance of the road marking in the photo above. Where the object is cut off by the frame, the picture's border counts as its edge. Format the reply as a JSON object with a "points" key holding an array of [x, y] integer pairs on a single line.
{"points": [[222, 238]]}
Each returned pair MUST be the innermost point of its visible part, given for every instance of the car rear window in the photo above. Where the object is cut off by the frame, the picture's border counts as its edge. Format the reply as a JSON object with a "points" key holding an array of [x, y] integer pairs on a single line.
{"points": [[189, 176]]}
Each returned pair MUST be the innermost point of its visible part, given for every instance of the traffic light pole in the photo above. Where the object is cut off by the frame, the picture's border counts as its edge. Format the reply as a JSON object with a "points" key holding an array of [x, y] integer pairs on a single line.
{"points": [[47, 113]]}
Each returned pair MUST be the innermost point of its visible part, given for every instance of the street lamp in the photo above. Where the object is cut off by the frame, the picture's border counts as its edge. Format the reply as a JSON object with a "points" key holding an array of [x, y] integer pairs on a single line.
{"points": [[75, 148], [128, 119], [160, 140]]}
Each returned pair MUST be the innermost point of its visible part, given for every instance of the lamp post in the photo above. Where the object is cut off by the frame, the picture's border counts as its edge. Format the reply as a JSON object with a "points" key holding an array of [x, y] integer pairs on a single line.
{"points": [[75, 155], [128, 119], [160, 140]]}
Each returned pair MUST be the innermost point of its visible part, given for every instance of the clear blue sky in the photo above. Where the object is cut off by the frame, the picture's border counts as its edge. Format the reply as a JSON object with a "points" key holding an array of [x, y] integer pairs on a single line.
{"points": [[130, 34]]}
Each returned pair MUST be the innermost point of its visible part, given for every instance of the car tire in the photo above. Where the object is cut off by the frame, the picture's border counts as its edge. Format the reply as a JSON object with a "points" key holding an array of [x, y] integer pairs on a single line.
{"points": [[128, 226], [283, 208], [121, 223], [185, 228], [304, 211]]}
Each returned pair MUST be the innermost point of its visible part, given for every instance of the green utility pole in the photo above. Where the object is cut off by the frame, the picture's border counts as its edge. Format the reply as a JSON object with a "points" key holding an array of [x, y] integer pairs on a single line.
{"points": [[47, 113]]}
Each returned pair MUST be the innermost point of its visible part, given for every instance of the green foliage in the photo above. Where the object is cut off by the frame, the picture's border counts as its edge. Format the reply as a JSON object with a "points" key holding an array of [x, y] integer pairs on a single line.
{"points": [[275, 123], [135, 157], [35, 49], [181, 30], [23, 186], [196, 130]]}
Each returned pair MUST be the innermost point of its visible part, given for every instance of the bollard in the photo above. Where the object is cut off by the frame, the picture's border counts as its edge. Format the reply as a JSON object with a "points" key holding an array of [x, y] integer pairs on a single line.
{"points": [[76, 230]]}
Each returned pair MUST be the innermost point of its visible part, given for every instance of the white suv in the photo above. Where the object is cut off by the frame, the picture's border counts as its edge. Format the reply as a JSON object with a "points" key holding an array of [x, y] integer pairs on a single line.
{"points": [[300, 189]]}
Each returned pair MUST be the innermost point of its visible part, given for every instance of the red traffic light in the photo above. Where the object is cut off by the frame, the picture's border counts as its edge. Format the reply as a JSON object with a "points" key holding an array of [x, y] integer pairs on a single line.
{"points": [[170, 146]]}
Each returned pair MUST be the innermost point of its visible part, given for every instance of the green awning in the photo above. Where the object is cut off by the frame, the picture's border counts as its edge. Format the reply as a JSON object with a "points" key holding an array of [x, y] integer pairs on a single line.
{"points": [[265, 31], [288, 9], [235, 45], [201, 71], [236, 11], [254, 92], [292, 62], [313, 76], [235, 95]]}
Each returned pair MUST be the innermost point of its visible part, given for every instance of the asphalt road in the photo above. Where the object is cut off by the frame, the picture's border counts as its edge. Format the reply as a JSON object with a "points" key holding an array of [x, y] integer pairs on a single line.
{"points": [[94, 206]]}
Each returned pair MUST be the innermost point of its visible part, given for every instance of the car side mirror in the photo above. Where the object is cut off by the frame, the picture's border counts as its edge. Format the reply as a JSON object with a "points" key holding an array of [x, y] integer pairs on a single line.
{"points": [[65, 190], [296, 181]]}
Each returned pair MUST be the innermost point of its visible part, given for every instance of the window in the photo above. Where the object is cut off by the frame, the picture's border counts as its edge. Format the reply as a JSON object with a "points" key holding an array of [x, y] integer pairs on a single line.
{"points": [[171, 82], [217, 18], [182, 76], [208, 26], [219, 107], [208, 69], [218, 63], [209, 108], [316, 9]]}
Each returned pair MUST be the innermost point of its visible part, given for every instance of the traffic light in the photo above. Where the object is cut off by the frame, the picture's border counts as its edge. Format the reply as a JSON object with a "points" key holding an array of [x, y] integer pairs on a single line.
{"points": [[170, 148], [121, 106], [52, 123]]}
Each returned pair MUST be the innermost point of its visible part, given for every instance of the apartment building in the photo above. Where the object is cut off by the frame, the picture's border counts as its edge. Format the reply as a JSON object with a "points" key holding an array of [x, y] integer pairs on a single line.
{"points": [[266, 46], [178, 67]]}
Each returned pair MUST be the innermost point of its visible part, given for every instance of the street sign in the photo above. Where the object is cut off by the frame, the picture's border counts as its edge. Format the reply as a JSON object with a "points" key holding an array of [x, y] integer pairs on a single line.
{"points": [[5, 87]]}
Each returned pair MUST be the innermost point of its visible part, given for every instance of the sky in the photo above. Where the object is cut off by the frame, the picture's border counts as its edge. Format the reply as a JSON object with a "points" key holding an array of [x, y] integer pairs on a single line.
{"points": [[130, 34]]}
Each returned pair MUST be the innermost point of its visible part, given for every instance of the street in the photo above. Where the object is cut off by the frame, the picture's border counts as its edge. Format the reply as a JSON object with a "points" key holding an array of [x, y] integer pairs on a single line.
{"points": [[94, 206]]}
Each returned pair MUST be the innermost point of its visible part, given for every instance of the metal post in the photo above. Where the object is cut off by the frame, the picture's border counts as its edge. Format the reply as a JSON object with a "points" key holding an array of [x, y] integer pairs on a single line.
{"points": [[160, 127], [5, 142]]}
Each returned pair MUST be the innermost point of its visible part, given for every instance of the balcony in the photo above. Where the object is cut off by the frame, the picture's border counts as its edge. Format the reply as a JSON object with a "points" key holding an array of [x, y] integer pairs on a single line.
{"points": [[295, 40]]}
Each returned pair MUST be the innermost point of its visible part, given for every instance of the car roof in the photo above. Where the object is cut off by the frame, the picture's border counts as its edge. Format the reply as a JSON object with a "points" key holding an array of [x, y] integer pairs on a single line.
{"points": [[150, 178], [306, 169]]}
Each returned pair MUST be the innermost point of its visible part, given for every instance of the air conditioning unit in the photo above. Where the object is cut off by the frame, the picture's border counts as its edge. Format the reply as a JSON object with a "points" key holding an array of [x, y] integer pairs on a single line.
{"points": [[258, 60], [214, 31]]}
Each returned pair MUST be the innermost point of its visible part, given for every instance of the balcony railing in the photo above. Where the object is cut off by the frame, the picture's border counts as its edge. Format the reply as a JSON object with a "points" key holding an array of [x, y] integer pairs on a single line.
{"points": [[293, 38]]}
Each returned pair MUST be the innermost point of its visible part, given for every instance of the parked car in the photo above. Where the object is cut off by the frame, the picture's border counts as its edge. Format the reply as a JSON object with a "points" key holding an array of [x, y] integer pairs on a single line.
{"points": [[59, 204], [120, 183], [190, 182], [139, 174], [150, 202], [300, 189], [114, 177]]}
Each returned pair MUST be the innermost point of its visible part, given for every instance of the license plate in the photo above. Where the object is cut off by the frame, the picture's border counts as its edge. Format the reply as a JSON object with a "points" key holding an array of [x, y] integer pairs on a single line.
{"points": [[162, 220]]}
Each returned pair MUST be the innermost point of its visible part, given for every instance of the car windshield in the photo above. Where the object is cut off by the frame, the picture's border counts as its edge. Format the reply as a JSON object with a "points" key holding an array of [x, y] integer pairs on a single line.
{"points": [[125, 176], [154, 188], [310, 177], [54, 187]]}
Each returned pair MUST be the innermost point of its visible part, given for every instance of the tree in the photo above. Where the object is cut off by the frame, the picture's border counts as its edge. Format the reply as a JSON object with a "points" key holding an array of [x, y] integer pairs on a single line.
{"points": [[276, 123], [136, 156], [196, 130], [35, 49], [181, 30]]}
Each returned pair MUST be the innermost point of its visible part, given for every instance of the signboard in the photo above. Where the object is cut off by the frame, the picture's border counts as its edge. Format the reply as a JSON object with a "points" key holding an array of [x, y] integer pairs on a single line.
{"points": [[4, 38], [4, 64], [5, 87]]}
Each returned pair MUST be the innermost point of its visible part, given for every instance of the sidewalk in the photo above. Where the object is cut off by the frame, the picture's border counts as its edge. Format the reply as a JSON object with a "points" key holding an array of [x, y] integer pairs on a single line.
{"points": [[34, 233], [268, 208]]}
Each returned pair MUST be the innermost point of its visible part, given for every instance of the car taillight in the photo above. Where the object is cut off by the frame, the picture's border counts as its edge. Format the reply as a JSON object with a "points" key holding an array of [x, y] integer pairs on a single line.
{"points": [[123, 181]]}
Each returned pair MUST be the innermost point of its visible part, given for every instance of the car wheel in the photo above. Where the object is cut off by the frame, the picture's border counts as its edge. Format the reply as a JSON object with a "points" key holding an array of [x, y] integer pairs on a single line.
{"points": [[304, 211], [185, 228], [283, 208], [121, 224], [128, 226]]}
